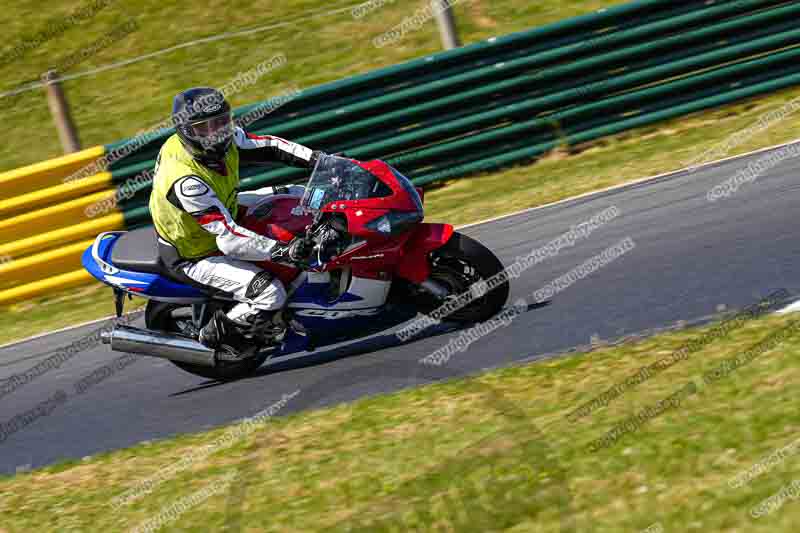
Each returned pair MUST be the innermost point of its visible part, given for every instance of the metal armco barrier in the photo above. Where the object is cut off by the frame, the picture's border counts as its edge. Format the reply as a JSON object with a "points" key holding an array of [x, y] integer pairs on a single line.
{"points": [[500, 102]]}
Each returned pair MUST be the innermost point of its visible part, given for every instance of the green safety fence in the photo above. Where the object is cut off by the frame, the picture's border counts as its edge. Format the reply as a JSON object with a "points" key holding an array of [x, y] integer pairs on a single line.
{"points": [[510, 99]]}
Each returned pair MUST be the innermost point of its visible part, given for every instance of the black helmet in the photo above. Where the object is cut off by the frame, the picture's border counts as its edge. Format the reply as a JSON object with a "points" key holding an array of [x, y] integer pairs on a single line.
{"points": [[202, 119]]}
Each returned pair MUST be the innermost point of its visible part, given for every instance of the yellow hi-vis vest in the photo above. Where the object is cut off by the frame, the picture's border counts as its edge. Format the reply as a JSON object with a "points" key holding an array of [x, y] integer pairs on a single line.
{"points": [[175, 225]]}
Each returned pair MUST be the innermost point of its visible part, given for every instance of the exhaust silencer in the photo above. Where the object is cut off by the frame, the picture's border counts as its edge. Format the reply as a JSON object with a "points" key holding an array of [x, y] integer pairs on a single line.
{"points": [[158, 344]]}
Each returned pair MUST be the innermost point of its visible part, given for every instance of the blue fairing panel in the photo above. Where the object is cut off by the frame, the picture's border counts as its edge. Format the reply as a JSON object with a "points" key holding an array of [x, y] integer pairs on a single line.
{"points": [[140, 283], [328, 327], [317, 294]]}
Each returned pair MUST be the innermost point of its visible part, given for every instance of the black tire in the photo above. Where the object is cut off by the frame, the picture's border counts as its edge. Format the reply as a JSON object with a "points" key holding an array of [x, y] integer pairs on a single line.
{"points": [[161, 316], [464, 253]]}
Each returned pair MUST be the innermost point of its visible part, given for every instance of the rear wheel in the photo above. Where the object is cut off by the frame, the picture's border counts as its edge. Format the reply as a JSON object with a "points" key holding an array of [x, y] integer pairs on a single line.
{"points": [[174, 318], [458, 266]]}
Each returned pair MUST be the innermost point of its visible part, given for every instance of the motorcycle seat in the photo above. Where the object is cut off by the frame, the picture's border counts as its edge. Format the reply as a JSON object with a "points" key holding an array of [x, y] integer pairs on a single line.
{"points": [[137, 250]]}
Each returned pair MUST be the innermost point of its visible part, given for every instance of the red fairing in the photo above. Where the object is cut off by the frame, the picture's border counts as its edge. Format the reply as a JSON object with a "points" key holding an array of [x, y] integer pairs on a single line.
{"points": [[398, 201], [381, 255], [282, 271], [279, 225], [426, 238]]}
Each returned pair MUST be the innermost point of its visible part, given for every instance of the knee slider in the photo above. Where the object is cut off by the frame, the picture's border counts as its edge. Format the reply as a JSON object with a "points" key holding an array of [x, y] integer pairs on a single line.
{"points": [[258, 284]]}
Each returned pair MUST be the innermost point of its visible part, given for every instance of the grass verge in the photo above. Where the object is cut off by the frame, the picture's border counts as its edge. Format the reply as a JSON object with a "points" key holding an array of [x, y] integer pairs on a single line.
{"points": [[491, 452], [26, 319]]}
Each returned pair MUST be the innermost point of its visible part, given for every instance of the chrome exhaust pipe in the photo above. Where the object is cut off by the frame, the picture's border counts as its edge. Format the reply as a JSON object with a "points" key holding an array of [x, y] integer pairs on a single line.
{"points": [[159, 344]]}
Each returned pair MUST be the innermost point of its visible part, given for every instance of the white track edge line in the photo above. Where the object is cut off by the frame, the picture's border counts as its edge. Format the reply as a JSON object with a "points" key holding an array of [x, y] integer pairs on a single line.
{"points": [[791, 308], [62, 330], [629, 184]]}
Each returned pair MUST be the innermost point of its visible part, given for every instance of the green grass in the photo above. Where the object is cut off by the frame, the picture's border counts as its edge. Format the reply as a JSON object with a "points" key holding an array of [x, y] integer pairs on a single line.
{"points": [[466, 455], [485, 453], [115, 104]]}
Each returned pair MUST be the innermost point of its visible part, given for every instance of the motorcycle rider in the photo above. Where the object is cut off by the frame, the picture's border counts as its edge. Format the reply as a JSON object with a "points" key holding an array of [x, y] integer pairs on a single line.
{"points": [[195, 204]]}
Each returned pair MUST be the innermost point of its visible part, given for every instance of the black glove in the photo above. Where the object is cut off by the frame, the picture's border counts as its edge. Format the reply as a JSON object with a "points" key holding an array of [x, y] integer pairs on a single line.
{"points": [[315, 155], [297, 251]]}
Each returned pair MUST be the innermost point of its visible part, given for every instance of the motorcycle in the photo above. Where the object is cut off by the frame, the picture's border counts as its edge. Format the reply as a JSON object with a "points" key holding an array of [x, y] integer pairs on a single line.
{"points": [[374, 265]]}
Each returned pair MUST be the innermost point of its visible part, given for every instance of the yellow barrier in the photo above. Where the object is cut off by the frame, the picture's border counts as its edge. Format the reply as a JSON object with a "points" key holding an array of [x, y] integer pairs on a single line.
{"points": [[46, 224], [25, 203], [45, 174], [57, 216], [45, 286], [60, 237], [43, 265]]}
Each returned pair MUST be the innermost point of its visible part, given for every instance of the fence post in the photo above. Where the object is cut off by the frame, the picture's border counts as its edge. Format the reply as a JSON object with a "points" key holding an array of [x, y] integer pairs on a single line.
{"points": [[447, 23], [59, 108]]}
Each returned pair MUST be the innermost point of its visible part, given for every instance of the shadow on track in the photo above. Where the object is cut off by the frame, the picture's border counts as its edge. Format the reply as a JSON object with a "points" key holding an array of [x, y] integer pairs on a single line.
{"points": [[351, 349]]}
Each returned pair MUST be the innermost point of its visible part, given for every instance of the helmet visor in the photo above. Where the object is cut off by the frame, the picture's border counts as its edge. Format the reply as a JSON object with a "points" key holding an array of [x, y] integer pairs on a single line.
{"points": [[211, 131]]}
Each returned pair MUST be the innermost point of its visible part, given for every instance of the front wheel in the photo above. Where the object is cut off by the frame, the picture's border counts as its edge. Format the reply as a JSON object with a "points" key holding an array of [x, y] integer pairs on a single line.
{"points": [[458, 266], [174, 318]]}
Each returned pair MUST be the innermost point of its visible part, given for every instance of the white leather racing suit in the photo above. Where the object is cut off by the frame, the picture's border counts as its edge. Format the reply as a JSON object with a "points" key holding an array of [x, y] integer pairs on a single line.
{"points": [[233, 273]]}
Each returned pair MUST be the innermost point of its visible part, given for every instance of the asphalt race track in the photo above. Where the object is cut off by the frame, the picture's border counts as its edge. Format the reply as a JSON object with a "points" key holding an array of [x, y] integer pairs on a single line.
{"points": [[691, 257]]}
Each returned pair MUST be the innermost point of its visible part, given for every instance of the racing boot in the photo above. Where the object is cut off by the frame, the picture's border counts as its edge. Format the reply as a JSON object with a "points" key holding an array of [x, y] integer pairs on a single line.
{"points": [[268, 326], [222, 333]]}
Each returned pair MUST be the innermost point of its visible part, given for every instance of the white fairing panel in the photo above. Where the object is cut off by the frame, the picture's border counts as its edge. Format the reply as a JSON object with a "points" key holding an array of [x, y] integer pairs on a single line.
{"points": [[371, 293]]}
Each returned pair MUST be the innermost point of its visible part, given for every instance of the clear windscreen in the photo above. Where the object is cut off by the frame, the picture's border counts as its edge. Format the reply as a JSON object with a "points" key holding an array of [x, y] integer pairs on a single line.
{"points": [[336, 178]]}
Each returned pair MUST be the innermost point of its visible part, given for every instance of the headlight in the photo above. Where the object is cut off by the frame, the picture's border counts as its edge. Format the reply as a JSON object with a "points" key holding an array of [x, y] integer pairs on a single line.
{"points": [[394, 223]]}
